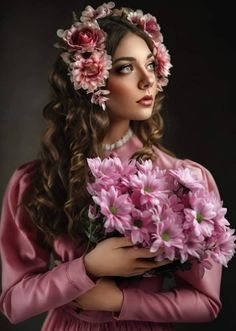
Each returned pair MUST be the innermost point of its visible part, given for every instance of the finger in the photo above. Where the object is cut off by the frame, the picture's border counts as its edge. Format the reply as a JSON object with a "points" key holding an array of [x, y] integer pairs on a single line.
{"points": [[145, 264], [137, 272], [123, 242], [142, 253], [163, 262]]}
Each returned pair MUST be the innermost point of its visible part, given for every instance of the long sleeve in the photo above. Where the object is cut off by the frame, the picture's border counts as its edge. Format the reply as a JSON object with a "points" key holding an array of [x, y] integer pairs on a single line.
{"points": [[196, 297], [29, 287]]}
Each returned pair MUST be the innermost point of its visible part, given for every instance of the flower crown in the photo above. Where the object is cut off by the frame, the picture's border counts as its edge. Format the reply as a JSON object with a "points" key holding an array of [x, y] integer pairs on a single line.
{"points": [[86, 56]]}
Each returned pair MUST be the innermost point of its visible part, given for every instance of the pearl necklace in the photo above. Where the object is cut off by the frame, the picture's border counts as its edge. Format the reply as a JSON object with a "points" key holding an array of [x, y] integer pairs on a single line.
{"points": [[118, 143]]}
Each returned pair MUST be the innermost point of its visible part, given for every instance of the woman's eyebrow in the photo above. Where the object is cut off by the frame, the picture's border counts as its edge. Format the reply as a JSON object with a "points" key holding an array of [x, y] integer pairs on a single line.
{"points": [[129, 58]]}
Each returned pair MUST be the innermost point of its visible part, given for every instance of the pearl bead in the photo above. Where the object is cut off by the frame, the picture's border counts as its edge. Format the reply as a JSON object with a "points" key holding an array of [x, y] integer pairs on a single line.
{"points": [[118, 143]]}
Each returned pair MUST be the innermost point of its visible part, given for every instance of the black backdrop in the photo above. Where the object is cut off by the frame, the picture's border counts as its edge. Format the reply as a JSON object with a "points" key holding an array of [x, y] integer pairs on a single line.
{"points": [[199, 110]]}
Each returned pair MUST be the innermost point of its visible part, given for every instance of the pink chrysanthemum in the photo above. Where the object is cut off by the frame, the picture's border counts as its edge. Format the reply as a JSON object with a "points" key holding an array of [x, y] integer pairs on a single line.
{"points": [[152, 28], [92, 212], [108, 167], [92, 72], [145, 166], [192, 246], [100, 97], [116, 209], [92, 14], [129, 169], [160, 175], [168, 236], [141, 227], [88, 14], [105, 9], [224, 246], [220, 220], [163, 66], [141, 201], [155, 212], [146, 188], [187, 178], [107, 173], [175, 203], [135, 17], [200, 215]]}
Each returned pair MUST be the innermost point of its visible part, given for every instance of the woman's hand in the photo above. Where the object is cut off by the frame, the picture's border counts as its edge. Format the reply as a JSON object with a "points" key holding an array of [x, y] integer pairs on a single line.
{"points": [[105, 296], [119, 257]]}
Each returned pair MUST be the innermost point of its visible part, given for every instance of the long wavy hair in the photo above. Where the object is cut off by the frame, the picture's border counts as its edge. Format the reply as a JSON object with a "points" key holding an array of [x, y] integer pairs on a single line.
{"points": [[75, 131]]}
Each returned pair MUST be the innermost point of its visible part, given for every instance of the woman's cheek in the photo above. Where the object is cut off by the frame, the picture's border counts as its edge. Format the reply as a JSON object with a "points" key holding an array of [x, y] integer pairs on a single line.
{"points": [[118, 86]]}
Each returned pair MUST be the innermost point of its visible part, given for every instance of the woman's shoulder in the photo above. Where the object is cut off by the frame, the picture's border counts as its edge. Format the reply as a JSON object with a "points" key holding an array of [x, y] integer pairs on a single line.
{"points": [[24, 172], [20, 180]]}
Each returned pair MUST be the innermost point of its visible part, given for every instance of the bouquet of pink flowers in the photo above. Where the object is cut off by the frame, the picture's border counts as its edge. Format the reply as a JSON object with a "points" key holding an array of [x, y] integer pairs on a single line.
{"points": [[169, 211]]}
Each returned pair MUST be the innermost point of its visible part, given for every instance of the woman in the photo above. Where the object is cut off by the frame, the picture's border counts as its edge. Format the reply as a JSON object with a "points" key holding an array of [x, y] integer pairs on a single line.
{"points": [[106, 100]]}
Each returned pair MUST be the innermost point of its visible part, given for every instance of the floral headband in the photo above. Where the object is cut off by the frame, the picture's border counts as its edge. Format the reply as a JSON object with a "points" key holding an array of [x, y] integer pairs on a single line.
{"points": [[86, 56]]}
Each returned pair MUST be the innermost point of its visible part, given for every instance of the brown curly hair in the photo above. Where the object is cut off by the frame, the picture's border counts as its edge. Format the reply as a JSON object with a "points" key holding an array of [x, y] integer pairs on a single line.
{"points": [[75, 131]]}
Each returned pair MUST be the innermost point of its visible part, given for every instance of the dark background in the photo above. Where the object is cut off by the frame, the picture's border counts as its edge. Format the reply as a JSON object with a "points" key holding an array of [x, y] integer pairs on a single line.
{"points": [[199, 108]]}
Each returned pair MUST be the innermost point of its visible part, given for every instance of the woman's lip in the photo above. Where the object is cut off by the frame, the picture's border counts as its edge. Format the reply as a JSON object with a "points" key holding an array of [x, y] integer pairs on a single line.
{"points": [[145, 102], [146, 97]]}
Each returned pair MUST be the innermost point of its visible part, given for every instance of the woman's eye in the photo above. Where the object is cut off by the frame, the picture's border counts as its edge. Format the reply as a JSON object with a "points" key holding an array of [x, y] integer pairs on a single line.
{"points": [[152, 65], [125, 68]]}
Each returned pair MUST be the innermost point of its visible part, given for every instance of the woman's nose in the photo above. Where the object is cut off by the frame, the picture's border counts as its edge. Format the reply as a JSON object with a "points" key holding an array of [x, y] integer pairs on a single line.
{"points": [[146, 81]]}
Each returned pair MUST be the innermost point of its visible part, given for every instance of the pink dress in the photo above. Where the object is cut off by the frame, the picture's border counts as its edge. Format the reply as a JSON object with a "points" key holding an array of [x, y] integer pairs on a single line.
{"points": [[31, 287]]}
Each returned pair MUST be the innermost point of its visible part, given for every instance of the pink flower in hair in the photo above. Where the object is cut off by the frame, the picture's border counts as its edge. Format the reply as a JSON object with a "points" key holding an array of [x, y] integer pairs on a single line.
{"points": [[92, 14], [135, 17], [100, 97], [66, 57], [148, 23], [83, 37], [105, 9], [90, 69], [163, 62], [162, 81], [88, 14], [90, 73], [152, 28]]}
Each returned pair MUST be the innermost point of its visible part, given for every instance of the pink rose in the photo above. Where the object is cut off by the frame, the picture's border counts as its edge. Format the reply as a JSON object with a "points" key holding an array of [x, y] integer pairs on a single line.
{"points": [[85, 37]]}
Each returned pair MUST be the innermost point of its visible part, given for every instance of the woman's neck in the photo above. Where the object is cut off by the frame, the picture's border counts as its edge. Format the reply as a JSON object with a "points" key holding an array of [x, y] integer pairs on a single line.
{"points": [[116, 132]]}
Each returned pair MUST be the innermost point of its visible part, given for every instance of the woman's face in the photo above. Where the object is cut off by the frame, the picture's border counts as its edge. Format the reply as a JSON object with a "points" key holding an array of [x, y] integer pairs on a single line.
{"points": [[131, 79]]}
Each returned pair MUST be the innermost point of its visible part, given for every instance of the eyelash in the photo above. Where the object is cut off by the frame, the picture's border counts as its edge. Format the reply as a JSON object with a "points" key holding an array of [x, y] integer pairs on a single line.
{"points": [[119, 70]]}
